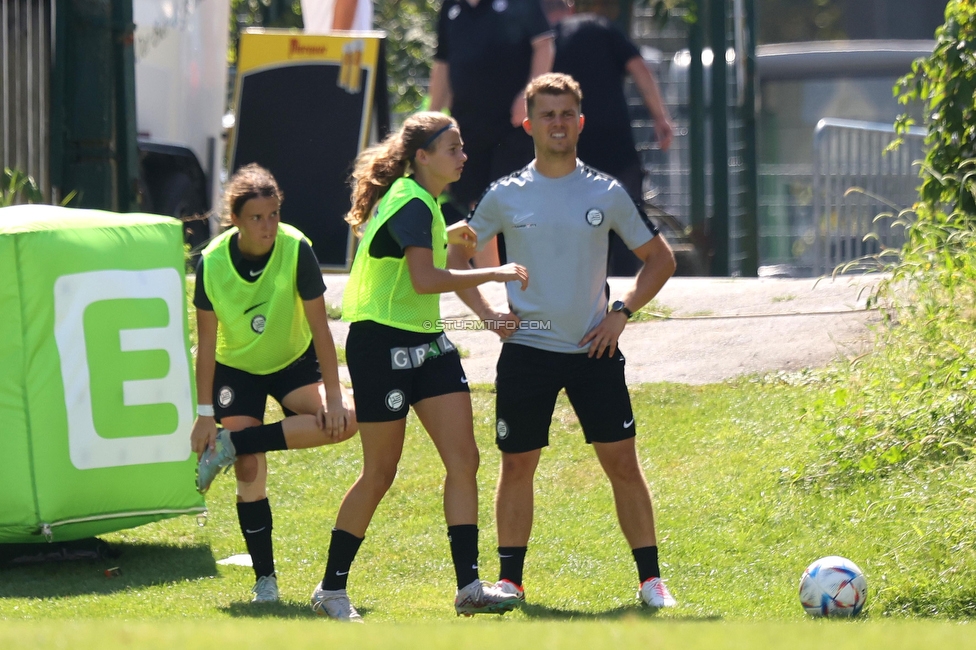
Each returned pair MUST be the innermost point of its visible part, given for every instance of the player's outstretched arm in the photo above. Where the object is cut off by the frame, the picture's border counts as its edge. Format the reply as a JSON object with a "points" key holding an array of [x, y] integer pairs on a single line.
{"points": [[427, 278], [503, 324]]}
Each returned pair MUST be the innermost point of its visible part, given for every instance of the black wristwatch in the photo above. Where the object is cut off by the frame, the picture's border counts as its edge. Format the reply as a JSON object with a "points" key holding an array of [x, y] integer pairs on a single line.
{"points": [[621, 307]]}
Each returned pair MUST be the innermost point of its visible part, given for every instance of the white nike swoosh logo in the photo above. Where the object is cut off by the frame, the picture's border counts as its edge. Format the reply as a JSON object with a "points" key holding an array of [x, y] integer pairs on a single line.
{"points": [[627, 424], [342, 573], [251, 532], [500, 555], [522, 217], [474, 566], [464, 380], [255, 274]]}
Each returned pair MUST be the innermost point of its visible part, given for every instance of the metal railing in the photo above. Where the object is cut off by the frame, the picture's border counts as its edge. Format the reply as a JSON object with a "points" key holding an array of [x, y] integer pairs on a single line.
{"points": [[667, 180], [854, 181], [26, 36]]}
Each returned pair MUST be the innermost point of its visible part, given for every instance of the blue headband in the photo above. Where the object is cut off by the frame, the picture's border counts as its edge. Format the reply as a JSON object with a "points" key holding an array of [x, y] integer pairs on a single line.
{"points": [[429, 141]]}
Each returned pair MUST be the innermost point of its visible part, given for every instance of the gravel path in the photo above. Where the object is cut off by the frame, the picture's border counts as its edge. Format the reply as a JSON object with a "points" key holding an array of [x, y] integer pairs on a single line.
{"points": [[719, 328]]}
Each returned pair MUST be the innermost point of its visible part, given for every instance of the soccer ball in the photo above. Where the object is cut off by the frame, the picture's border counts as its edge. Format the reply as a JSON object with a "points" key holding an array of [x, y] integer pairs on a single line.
{"points": [[833, 587]]}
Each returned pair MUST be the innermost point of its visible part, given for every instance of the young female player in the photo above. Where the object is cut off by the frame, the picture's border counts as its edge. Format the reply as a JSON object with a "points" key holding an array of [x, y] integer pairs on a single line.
{"points": [[262, 331], [398, 354]]}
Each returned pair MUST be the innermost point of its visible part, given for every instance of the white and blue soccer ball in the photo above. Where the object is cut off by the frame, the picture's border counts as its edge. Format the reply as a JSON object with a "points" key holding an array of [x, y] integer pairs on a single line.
{"points": [[833, 587]]}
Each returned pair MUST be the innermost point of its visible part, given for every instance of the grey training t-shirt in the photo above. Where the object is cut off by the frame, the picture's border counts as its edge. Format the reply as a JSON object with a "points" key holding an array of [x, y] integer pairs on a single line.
{"points": [[558, 228]]}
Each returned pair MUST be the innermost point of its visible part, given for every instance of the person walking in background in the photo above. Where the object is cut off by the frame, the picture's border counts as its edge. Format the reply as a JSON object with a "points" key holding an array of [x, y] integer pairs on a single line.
{"points": [[321, 16], [599, 56], [399, 355], [487, 50], [262, 330], [556, 215]]}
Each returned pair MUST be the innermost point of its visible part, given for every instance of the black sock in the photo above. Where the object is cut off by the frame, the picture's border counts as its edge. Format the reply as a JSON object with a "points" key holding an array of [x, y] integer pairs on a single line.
{"points": [[464, 552], [342, 551], [512, 559], [255, 520], [646, 559], [259, 439]]}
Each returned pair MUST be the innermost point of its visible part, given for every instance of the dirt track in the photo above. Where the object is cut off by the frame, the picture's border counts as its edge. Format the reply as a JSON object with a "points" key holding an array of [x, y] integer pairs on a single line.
{"points": [[778, 324]]}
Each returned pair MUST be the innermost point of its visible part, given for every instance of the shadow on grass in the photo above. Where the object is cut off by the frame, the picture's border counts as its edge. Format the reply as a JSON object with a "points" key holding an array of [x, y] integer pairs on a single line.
{"points": [[282, 609], [635, 612], [139, 565]]}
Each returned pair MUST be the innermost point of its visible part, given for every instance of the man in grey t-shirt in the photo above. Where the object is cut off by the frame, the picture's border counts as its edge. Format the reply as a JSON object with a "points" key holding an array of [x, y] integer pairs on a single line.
{"points": [[556, 216]]}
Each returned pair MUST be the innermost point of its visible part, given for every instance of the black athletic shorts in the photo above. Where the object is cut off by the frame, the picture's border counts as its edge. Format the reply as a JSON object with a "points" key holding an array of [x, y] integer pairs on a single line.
{"points": [[393, 368], [236, 392], [529, 380]]}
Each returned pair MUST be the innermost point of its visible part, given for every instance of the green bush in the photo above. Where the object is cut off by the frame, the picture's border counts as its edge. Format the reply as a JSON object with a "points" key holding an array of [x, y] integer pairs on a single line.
{"points": [[913, 400]]}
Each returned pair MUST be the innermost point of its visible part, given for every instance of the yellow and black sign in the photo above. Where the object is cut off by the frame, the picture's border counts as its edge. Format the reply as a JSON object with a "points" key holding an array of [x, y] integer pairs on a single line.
{"points": [[304, 110]]}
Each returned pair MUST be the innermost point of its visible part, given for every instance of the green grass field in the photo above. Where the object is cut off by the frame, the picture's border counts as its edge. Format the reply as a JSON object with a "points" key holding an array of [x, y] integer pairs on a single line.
{"points": [[737, 525]]}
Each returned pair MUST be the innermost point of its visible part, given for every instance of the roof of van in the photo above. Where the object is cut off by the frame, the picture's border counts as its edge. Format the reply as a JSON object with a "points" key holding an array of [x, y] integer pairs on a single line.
{"points": [[821, 59]]}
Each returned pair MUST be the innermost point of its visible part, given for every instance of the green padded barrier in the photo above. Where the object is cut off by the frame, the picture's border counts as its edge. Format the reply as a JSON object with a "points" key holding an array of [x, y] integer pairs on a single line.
{"points": [[96, 389]]}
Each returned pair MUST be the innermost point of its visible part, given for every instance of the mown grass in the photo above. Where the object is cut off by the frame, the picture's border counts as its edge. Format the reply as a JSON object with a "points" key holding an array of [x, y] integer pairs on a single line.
{"points": [[736, 529], [742, 501], [627, 633]]}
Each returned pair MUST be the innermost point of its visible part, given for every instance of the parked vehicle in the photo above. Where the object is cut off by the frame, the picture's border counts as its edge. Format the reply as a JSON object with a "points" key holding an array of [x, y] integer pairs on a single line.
{"points": [[180, 53]]}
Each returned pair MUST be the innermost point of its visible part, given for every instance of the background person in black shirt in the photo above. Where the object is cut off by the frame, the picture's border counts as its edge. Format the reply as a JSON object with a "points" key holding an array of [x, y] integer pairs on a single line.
{"points": [[487, 50], [592, 50]]}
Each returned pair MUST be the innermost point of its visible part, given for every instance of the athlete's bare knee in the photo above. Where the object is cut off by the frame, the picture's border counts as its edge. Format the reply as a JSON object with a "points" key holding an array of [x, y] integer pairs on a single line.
{"points": [[518, 468], [464, 464], [246, 468], [625, 471], [378, 478]]}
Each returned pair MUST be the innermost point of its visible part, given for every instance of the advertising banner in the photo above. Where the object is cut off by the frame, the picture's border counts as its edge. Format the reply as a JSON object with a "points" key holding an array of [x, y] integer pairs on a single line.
{"points": [[304, 108], [96, 390]]}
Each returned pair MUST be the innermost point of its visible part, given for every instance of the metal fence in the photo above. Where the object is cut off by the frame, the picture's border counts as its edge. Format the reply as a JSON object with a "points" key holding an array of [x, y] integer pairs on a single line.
{"points": [[667, 175], [26, 35], [802, 231], [854, 181], [667, 182]]}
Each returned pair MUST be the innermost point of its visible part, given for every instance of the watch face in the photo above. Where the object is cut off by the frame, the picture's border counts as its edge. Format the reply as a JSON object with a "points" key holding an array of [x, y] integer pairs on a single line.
{"points": [[621, 307]]}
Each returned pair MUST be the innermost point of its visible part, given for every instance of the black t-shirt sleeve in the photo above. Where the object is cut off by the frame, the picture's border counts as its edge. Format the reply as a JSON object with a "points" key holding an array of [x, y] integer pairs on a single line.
{"points": [[538, 24], [200, 298], [623, 49], [308, 275], [411, 225], [443, 45]]}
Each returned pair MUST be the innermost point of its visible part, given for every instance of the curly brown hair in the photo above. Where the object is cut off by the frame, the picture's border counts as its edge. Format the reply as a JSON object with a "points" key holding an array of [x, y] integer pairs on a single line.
{"points": [[249, 182], [377, 167]]}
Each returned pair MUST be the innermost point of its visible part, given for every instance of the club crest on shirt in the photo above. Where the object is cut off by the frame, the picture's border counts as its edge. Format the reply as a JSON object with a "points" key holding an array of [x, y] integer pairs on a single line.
{"points": [[594, 217], [454, 12], [499, 5], [258, 323]]}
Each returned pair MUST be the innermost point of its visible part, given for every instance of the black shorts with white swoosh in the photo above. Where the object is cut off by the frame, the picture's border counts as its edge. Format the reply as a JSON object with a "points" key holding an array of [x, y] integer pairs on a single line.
{"points": [[529, 380]]}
